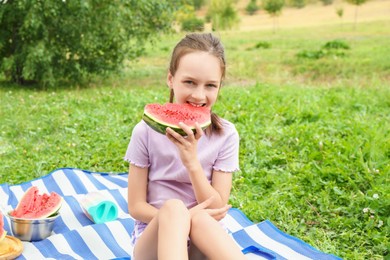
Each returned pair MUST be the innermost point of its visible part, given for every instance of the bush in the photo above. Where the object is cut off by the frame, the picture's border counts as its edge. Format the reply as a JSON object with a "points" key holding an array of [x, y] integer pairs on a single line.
{"points": [[192, 25], [314, 55], [327, 2], [331, 48], [260, 45], [298, 3], [49, 41], [222, 14], [336, 44], [198, 4], [263, 45], [252, 7]]}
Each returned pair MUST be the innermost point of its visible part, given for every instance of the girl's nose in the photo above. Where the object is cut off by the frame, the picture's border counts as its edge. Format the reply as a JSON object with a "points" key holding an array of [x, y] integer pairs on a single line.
{"points": [[198, 93]]}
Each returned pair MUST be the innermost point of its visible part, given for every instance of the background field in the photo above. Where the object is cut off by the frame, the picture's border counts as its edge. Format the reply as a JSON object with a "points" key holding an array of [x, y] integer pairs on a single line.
{"points": [[315, 132]]}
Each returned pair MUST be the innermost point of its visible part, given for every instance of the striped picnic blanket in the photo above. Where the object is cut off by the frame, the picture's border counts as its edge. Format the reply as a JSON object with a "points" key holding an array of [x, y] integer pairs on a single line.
{"points": [[76, 237]]}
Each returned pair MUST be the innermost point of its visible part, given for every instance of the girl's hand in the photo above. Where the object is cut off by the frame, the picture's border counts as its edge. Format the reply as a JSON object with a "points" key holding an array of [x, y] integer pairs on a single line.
{"points": [[187, 145], [201, 206], [217, 214], [220, 213]]}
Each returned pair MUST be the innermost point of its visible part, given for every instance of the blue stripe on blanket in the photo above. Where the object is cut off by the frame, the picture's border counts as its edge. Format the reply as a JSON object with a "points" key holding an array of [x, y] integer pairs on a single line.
{"points": [[299, 246], [76, 237], [251, 246], [109, 239], [78, 246], [120, 200]]}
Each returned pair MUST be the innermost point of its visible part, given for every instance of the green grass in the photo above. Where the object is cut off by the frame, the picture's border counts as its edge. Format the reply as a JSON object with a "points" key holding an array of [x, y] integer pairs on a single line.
{"points": [[315, 134]]}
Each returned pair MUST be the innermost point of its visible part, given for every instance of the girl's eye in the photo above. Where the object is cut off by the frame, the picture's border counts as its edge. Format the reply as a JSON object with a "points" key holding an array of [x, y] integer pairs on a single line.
{"points": [[212, 85], [189, 82]]}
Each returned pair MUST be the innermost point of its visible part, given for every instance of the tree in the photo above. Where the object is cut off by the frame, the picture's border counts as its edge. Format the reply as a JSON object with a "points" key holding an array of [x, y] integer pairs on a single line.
{"points": [[222, 14], [357, 3], [252, 7], [198, 4], [49, 41], [273, 8], [340, 13]]}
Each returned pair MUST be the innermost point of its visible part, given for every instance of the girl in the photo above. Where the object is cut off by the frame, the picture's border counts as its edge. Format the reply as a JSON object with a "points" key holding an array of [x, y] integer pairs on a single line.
{"points": [[179, 186]]}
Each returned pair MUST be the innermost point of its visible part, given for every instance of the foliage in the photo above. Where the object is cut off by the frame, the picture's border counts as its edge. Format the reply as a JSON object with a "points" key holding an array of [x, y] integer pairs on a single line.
{"points": [[185, 12], [192, 25], [327, 2], [298, 3], [356, 2], [273, 7], [336, 44], [252, 7], [49, 41], [340, 12], [331, 48], [186, 16], [222, 14], [261, 45], [198, 4]]}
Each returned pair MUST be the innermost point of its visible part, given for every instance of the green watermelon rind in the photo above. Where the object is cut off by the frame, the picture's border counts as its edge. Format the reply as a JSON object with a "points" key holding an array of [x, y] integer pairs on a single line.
{"points": [[161, 127]]}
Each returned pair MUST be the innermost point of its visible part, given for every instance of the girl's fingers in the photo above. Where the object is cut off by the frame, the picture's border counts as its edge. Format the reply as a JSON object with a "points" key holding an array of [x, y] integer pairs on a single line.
{"points": [[174, 136], [186, 129], [220, 213], [203, 205], [199, 131]]}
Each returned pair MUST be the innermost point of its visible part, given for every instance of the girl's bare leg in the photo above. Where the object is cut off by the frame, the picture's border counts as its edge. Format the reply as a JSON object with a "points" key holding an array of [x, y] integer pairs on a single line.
{"points": [[165, 237], [211, 239], [174, 227]]}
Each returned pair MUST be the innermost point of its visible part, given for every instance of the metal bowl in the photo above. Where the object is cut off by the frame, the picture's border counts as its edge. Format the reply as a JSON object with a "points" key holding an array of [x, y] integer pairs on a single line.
{"points": [[32, 229]]}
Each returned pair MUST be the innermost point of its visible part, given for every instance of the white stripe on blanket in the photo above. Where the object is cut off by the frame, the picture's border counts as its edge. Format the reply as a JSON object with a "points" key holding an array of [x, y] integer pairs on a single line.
{"points": [[76, 237]]}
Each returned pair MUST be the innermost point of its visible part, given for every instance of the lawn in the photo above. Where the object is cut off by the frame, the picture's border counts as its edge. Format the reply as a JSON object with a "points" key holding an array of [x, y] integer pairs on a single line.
{"points": [[315, 131]]}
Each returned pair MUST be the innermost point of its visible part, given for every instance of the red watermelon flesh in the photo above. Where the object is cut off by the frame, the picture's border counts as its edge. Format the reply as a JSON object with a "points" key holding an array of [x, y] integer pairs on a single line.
{"points": [[3, 233], [159, 117], [36, 206]]}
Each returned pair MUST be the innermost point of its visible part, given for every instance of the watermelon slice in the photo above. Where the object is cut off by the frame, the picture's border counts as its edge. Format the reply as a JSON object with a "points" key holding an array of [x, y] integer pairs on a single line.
{"points": [[3, 233], [36, 206], [159, 117]]}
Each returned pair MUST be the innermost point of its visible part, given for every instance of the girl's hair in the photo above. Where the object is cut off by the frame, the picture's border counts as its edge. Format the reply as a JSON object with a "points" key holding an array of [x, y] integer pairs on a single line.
{"points": [[205, 42]]}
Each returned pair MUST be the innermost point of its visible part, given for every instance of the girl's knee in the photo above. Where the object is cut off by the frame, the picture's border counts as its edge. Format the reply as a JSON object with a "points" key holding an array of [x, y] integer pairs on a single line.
{"points": [[201, 219], [174, 208]]}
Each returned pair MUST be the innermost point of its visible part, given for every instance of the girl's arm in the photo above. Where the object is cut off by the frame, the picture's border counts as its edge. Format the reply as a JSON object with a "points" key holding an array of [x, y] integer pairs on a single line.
{"points": [[219, 188], [221, 182], [139, 208]]}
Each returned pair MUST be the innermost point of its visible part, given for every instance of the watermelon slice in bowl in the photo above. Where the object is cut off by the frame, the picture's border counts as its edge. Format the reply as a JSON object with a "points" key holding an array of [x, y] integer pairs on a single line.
{"points": [[35, 215], [159, 117], [36, 206]]}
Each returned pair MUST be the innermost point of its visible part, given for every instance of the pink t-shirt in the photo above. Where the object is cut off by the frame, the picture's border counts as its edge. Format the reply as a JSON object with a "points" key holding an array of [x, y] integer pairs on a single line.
{"points": [[168, 177]]}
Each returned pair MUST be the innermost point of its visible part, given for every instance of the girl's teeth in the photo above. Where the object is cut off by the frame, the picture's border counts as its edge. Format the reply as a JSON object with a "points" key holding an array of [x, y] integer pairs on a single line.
{"points": [[195, 105]]}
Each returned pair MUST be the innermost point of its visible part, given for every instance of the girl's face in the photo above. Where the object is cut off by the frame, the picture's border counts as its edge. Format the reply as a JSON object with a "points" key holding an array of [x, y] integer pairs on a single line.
{"points": [[197, 79]]}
